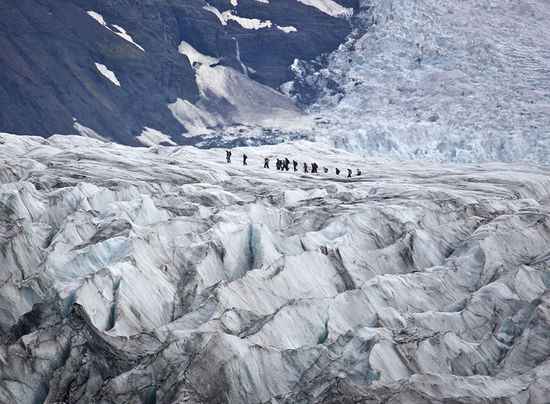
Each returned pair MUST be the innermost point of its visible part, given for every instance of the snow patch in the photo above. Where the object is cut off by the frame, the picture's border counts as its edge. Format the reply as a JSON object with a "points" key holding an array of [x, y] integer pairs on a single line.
{"points": [[196, 120], [216, 12], [87, 132], [195, 56], [288, 29], [251, 102], [109, 74], [119, 31], [246, 23], [230, 98], [98, 17], [153, 137], [329, 7]]}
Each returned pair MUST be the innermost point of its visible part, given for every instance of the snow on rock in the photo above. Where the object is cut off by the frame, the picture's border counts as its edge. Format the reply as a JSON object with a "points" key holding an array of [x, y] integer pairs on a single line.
{"points": [[121, 32], [165, 274], [230, 98], [107, 73], [197, 121], [194, 55], [87, 132], [248, 101], [287, 29], [98, 17], [152, 137], [329, 7], [118, 30], [244, 22], [247, 23], [216, 12]]}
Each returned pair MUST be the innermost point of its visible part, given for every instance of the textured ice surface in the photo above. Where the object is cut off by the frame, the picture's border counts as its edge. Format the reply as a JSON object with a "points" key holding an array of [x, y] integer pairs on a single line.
{"points": [[442, 80], [165, 275]]}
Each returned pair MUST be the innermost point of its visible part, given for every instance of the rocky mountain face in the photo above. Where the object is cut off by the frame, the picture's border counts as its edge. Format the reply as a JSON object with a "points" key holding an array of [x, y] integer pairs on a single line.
{"points": [[156, 71], [165, 275]]}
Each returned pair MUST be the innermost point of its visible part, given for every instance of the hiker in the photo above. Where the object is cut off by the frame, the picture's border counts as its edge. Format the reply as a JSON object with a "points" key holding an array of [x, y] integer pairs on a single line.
{"points": [[337, 171], [228, 156], [278, 164], [287, 163], [349, 172], [314, 168], [358, 172], [295, 165], [305, 168], [266, 162], [325, 169], [245, 157]]}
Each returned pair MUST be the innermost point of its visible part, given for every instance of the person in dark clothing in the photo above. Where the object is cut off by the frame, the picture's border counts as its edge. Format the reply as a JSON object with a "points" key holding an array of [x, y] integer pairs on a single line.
{"points": [[305, 168], [358, 172], [295, 165], [287, 164], [314, 168], [245, 157], [266, 163], [337, 171], [278, 164], [228, 156], [349, 172], [325, 170]]}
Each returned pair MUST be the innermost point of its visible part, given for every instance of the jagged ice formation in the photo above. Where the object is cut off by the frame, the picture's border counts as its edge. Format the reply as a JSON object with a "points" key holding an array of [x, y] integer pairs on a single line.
{"points": [[165, 275], [463, 81]]}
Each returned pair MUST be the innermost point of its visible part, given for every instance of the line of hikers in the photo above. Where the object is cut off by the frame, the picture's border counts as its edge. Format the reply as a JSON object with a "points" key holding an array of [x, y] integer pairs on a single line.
{"points": [[284, 165]]}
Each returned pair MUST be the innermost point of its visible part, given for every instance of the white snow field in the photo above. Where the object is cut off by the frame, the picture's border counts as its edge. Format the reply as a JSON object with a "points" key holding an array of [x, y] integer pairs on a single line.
{"points": [[165, 275], [442, 80]]}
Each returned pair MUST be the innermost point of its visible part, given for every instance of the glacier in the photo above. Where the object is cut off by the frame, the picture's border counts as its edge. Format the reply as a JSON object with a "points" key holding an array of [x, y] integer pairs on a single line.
{"points": [[463, 81], [165, 275]]}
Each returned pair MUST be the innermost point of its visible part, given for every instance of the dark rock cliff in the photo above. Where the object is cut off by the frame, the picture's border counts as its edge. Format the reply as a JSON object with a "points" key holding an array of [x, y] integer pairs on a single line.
{"points": [[49, 81]]}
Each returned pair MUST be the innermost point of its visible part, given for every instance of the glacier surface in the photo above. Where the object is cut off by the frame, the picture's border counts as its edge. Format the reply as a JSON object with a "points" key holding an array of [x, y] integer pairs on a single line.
{"points": [[463, 81], [165, 275]]}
